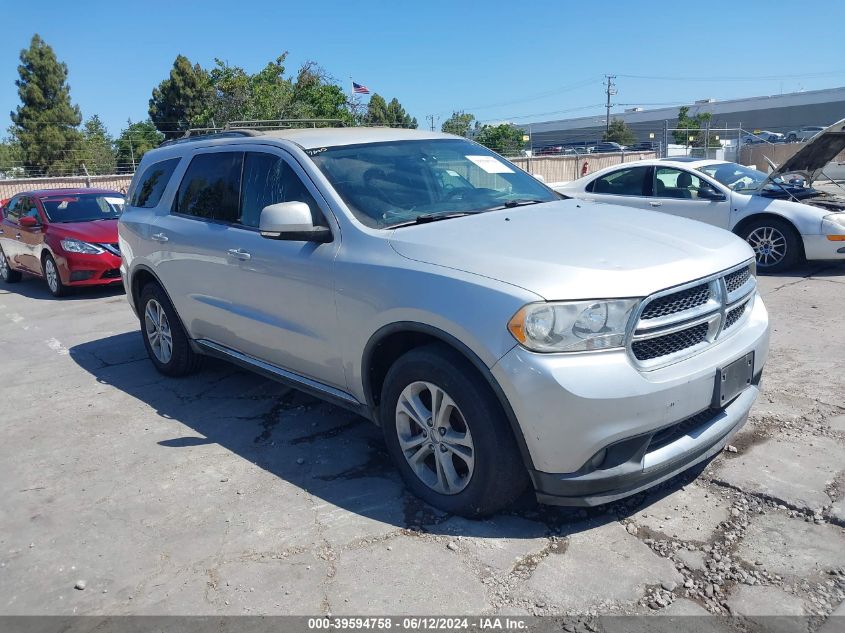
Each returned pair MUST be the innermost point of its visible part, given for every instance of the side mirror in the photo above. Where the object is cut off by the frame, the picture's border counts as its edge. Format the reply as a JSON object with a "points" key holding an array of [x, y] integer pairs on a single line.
{"points": [[709, 193], [28, 222], [291, 221]]}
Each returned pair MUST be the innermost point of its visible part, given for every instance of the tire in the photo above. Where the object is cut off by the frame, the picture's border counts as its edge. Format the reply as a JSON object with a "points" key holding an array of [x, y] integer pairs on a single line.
{"points": [[472, 442], [6, 273], [52, 277], [165, 339], [777, 245]]}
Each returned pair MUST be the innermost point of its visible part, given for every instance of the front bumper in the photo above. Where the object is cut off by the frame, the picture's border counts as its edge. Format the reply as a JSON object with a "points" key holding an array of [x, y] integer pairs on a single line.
{"points": [[819, 247], [571, 407], [78, 269]]}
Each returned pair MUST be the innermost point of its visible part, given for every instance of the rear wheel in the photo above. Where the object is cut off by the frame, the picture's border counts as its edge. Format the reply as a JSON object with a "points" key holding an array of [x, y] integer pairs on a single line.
{"points": [[165, 339], [51, 274], [6, 273], [448, 435], [776, 244]]}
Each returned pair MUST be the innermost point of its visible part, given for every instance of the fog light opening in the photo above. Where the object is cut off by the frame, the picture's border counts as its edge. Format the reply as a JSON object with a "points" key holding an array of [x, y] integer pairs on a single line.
{"points": [[598, 459]]}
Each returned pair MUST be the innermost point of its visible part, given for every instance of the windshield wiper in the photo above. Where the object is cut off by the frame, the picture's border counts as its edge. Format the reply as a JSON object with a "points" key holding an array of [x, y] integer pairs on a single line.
{"points": [[426, 218], [520, 202]]}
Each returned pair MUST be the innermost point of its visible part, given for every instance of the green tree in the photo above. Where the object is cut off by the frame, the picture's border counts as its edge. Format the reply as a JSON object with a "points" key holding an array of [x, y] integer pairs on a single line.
{"points": [[11, 158], [45, 124], [380, 112], [459, 123], [693, 127], [315, 95], [505, 138], [135, 141], [183, 100], [619, 132], [97, 147]]}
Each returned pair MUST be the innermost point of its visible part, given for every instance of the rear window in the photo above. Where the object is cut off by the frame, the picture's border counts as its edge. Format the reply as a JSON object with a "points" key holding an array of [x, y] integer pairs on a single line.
{"points": [[153, 182], [211, 187]]}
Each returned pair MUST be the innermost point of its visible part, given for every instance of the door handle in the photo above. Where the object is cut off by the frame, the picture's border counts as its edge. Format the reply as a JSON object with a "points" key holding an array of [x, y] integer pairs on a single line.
{"points": [[239, 253], [655, 203], [159, 237]]}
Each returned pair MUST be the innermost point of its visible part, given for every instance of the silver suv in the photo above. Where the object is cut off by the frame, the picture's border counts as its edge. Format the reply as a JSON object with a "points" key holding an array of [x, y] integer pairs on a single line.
{"points": [[502, 335]]}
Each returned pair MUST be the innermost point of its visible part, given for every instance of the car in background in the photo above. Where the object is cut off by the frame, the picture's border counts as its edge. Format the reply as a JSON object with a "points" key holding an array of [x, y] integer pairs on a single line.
{"points": [[549, 150], [643, 146], [781, 216], [804, 134], [763, 136], [607, 148], [66, 236]]}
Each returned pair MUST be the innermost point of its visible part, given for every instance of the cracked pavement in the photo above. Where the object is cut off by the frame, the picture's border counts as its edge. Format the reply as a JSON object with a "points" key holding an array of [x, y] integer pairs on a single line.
{"points": [[225, 493]]}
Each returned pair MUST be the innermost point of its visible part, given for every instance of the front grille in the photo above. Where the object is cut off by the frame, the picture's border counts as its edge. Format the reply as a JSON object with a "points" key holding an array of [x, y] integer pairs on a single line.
{"points": [[112, 247], [112, 273], [735, 280], [658, 346], [675, 324], [734, 315], [677, 302], [670, 434]]}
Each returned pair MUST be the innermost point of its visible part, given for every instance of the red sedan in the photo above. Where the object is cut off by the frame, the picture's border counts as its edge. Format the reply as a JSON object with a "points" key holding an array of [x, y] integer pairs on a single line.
{"points": [[66, 236]]}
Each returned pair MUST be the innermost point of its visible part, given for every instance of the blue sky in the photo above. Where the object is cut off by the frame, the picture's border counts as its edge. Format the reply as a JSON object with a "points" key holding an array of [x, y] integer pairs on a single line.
{"points": [[498, 60]]}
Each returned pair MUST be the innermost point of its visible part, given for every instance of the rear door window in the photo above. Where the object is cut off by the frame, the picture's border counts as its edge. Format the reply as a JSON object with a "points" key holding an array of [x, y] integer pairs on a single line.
{"points": [[211, 187], [269, 179], [625, 182], [147, 193]]}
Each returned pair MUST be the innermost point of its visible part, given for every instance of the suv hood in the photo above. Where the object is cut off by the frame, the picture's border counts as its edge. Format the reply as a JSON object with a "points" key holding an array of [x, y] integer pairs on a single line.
{"points": [[572, 249], [812, 158]]}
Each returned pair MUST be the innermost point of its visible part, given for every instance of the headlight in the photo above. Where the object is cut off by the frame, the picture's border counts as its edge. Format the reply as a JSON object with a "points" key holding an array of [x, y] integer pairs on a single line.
{"points": [[575, 326], [76, 246], [833, 224]]}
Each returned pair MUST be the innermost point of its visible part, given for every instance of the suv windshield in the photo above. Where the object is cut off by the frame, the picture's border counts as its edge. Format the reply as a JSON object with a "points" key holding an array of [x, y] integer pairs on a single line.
{"points": [[83, 207], [393, 183]]}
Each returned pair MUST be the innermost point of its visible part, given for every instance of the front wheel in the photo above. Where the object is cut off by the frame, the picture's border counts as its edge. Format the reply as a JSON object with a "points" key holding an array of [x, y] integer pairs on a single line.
{"points": [[776, 244], [448, 434], [54, 280]]}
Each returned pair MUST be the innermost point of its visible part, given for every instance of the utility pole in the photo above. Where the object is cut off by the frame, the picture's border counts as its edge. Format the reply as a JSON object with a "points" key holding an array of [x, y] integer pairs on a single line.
{"points": [[611, 90], [431, 119]]}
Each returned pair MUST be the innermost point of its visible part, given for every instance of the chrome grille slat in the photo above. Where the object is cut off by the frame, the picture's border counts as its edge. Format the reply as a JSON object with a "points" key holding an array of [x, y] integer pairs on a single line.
{"points": [[679, 322]]}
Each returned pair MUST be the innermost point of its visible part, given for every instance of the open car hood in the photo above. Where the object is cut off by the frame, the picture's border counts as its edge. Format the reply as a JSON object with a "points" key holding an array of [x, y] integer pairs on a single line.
{"points": [[811, 159]]}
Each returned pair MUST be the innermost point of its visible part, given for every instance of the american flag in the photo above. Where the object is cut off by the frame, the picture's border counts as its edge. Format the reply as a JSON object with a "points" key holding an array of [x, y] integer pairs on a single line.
{"points": [[358, 89]]}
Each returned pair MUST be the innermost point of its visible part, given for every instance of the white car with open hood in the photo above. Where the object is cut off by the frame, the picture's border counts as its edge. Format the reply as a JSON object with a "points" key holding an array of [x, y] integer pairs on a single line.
{"points": [[781, 215]]}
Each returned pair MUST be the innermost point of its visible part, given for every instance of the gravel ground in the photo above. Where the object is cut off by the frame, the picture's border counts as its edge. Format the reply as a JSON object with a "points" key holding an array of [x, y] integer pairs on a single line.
{"points": [[128, 493]]}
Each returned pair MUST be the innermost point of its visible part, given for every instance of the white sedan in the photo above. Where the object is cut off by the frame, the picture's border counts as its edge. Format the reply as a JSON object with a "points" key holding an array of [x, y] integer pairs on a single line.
{"points": [[782, 217]]}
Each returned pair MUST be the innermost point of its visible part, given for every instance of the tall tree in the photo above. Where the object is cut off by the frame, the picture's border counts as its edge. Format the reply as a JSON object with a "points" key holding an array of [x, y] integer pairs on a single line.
{"points": [[377, 111], [183, 99], [315, 95], [505, 138], [45, 124], [97, 147], [459, 123], [619, 132], [11, 158], [392, 114], [135, 141]]}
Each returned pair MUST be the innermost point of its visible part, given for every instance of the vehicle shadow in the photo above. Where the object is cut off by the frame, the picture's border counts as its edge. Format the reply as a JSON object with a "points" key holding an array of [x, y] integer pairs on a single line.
{"points": [[331, 453], [36, 288]]}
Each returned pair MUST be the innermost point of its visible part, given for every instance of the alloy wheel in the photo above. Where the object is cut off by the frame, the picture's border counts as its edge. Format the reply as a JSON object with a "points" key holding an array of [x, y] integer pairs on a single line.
{"points": [[157, 330], [52, 275], [4, 266], [769, 245], [434, 438]]}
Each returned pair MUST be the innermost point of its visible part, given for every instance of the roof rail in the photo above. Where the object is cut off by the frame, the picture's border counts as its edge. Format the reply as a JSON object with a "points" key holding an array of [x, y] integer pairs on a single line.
{"points": [[283, 124], [202, 134]]}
